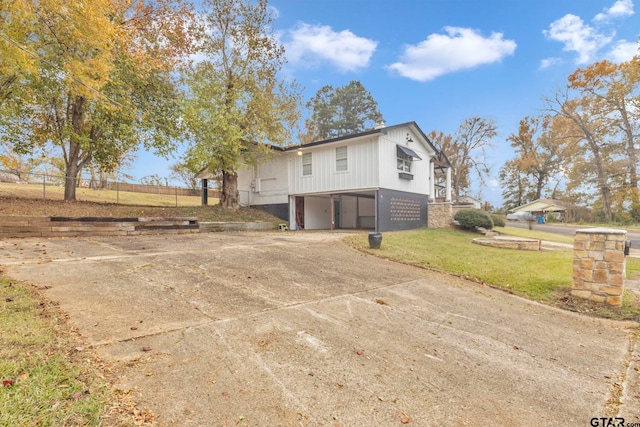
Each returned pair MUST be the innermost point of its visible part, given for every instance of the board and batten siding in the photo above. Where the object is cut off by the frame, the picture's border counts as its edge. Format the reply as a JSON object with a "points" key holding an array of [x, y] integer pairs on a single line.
{"points": [[389, 173], [361, 173], [267, 183]]}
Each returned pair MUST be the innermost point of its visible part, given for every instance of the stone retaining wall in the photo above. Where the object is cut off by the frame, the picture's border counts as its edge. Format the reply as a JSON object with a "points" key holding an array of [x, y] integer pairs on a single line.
{"points": [[599, 265]]}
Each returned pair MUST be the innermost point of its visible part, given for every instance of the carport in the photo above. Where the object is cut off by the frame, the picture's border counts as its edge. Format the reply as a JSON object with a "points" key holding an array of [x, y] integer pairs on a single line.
{"points": [[330, 211]]}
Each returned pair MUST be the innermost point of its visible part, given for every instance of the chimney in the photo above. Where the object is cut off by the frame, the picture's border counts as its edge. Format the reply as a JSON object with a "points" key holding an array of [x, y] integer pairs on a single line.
{"points": [[380, 124]]}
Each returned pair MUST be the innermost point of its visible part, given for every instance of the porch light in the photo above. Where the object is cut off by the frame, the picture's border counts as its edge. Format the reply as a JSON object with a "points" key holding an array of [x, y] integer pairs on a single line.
{"points": [[300, 151]]}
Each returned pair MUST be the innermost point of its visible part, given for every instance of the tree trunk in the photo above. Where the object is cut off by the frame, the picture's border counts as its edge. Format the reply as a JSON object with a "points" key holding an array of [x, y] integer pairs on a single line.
{"points": [[229, 192], [71, 176]]}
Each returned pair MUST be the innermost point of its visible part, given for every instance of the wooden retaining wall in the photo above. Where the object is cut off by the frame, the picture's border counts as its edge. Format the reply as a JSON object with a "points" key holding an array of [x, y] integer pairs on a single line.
{"points": [[237, 226], [38, 226]]}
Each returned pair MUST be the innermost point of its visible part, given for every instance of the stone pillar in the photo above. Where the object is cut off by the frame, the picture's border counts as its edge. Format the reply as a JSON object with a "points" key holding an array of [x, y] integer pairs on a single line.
{"points": [[439, 215], [599, 265]]}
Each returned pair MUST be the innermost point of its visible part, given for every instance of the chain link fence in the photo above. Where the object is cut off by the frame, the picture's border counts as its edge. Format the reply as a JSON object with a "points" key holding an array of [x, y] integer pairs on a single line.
{"points": [[92, 189]]}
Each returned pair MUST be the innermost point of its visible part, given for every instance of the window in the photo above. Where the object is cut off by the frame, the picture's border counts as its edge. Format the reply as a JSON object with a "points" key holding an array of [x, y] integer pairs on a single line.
{"points": [[341, 159], [306, 164], [404, 160]]}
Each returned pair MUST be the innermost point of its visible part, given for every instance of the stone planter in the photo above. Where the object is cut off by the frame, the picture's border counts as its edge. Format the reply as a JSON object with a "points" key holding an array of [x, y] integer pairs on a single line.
{"points": [[375, 240]]}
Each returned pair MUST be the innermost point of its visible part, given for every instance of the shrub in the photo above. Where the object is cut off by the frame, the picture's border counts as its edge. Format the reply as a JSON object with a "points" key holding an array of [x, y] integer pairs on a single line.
{"points": [[498, 220], [472, 218]]}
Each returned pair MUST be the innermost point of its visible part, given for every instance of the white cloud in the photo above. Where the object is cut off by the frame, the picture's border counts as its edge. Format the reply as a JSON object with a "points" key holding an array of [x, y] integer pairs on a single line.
{"points": [[577, 37], [550, 62], [619, 9], [459, 49], [588, 41], [275, 13], [316, 44], [623, 51]]}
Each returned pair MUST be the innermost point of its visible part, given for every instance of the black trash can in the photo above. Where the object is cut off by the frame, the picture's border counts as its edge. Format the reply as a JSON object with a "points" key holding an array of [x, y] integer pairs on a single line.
{"points": [[627, 246], [375, 239]]}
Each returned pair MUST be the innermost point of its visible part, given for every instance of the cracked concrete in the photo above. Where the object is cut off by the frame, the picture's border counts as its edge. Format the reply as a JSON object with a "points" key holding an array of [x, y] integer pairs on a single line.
{"points": [[298, 329]]}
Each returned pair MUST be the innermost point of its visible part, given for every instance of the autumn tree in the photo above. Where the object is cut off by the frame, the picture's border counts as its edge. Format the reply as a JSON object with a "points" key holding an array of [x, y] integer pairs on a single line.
{"points": [[19, 165], [341, 111], [236, 104], [591, 163], [540, 153], [102, 83], [466, 151], [616, 90], [516, 188]]}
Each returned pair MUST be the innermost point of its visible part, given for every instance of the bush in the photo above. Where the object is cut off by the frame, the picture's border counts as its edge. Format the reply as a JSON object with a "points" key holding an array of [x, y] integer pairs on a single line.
{"points": [[498, 220], [472, 218]]}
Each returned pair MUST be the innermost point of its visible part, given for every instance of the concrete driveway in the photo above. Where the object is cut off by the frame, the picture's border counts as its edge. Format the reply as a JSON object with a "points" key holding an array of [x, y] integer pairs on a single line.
{"points": [[297, 329]]}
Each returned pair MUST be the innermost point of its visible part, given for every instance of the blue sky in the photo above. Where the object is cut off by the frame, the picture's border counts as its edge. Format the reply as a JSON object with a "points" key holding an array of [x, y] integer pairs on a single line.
{"points": [[438, 62]]}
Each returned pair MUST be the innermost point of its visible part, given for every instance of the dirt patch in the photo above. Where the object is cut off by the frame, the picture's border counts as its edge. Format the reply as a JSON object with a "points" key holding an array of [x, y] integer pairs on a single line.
{"points": [[629, 311]]}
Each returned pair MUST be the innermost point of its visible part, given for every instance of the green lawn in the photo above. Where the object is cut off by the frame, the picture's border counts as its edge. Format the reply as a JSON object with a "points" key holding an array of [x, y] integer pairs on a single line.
{"points": [[46, 381], [56, 192], [537, 275]]}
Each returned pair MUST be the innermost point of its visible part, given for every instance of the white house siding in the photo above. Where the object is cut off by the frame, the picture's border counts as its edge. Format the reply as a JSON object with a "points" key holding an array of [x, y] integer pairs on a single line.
{"points": [[317, 215], [420, 169], [361, 173], [266, 184]]}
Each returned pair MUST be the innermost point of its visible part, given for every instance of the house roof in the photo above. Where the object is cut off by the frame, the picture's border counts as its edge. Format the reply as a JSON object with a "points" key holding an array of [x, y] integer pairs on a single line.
{"points": [[542, 205], [441, 159]]}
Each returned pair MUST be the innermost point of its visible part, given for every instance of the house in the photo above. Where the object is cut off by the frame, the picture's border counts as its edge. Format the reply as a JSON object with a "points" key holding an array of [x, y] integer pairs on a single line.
{"points": [[540, 207], [470, 201], [382, 179]]}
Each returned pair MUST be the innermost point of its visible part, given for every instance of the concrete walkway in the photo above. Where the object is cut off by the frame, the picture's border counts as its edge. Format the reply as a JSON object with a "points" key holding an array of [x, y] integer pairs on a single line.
{"points": [[280, 329]]}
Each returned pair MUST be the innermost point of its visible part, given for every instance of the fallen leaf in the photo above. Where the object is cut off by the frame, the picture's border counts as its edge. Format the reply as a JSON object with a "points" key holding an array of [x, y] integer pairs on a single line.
{"points": [[77, 396], [146, 348], [405, 420], [360, 352], [7, 383], [22, 376]]}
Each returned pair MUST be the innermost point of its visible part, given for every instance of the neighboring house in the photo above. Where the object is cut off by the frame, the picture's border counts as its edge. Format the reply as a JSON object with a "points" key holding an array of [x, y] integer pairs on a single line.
{"points": [[540, 207], [472, 202], [383, 179]]}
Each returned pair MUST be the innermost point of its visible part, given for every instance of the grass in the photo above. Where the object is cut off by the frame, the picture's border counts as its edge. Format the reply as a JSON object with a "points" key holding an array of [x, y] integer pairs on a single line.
{"points": [[46, 380], [55, 192], [544, 276], [534, 234]]}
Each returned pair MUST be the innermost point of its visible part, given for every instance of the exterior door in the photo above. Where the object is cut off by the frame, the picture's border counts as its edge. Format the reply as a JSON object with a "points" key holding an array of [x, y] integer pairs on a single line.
{"points": [[300, 212], [336, 213]]}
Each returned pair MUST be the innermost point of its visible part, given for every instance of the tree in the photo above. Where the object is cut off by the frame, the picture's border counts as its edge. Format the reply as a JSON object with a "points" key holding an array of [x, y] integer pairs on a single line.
{"points": [[184, 172], [466, 151], [17, 164], [103, 83], [539, 152], [617, 88], [341, 111], [516, 188], [236, 105], [584, 124]]}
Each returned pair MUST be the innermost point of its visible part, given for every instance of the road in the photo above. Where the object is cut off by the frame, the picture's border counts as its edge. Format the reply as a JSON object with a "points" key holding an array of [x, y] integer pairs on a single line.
{"points": [[570, 230]]}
